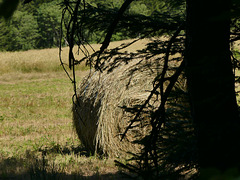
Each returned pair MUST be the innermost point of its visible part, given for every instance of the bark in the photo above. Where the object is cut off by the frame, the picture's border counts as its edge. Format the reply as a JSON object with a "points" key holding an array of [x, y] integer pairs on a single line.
{"points": [[211, 83]]}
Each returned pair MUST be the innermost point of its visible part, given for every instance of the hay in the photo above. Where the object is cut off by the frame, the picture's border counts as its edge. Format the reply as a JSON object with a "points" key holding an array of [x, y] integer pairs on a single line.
{"points": [[101, 97]]}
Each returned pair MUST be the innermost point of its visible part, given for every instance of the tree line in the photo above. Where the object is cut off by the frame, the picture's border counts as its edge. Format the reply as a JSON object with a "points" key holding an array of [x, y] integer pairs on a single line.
{"points": [[32, 26], [36, 25]]}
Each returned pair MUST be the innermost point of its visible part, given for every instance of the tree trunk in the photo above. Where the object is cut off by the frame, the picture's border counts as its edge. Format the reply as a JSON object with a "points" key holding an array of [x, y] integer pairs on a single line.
{"points": [[211, 83]]}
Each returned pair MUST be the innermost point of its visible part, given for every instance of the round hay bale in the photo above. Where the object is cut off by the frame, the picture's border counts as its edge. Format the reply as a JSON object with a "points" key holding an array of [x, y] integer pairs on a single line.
{"points": [[98, 113]]}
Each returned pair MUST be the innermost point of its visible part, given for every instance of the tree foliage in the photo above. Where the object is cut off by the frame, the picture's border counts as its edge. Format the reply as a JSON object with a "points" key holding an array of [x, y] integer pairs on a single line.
{"points": [[34, 25], [49, 19], [44, 21], [21, 32]]}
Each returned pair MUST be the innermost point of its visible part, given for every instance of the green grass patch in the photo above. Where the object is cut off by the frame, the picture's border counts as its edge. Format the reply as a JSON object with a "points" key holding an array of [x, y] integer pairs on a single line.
{"points": [[37, 140], [36, 136]]}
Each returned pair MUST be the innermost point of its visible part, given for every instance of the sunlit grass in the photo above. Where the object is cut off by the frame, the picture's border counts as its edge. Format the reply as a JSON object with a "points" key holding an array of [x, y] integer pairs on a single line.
{"points": [[47, 60], [37, 140], [36, 129], [33, 109]]}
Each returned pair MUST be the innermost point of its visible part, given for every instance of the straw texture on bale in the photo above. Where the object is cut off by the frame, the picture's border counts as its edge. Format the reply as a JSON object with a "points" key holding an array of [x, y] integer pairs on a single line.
{"points": [[101, 97]]}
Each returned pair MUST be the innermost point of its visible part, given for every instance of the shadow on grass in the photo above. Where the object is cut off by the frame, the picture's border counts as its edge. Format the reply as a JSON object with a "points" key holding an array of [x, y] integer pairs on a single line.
{"points": [[17, 169], [32, 167], [66, 150]]}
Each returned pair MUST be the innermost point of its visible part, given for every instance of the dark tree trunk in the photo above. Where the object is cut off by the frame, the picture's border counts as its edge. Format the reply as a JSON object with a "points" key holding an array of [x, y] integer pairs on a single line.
{"points": [[211, 83]]}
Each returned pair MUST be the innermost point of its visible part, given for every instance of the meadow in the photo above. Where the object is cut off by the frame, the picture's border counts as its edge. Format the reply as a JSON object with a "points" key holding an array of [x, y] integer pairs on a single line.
{"points": [[37, 139]]}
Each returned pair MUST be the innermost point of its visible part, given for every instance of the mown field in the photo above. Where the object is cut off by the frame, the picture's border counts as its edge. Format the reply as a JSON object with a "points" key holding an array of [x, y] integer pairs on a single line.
{"points": [[37, 140]]}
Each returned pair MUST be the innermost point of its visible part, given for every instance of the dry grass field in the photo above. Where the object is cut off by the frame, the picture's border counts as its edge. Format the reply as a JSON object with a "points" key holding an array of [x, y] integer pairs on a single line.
{"points": [[47, 60], [37, 140]]}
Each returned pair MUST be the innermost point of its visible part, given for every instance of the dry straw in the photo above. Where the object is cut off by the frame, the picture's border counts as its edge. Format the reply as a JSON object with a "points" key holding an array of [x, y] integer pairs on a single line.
{"points": [[101, 99]]}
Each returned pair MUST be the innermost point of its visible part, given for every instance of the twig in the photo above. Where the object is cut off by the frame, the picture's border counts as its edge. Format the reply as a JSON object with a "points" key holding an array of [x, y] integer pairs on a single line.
{"points": [[164, 95], [60, 47], [111, 30]]}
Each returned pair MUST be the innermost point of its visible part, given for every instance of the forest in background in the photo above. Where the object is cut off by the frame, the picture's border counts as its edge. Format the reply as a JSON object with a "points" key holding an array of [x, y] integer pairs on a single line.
{"points": [[36, 25]]}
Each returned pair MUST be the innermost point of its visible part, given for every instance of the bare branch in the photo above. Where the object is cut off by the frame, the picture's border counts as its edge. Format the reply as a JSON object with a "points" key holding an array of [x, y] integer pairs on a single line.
{"points": [[111, 29]]}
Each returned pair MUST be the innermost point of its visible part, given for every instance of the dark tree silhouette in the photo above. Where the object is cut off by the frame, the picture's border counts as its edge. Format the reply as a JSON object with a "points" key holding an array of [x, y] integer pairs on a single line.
{"points": [[211, 83]]}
